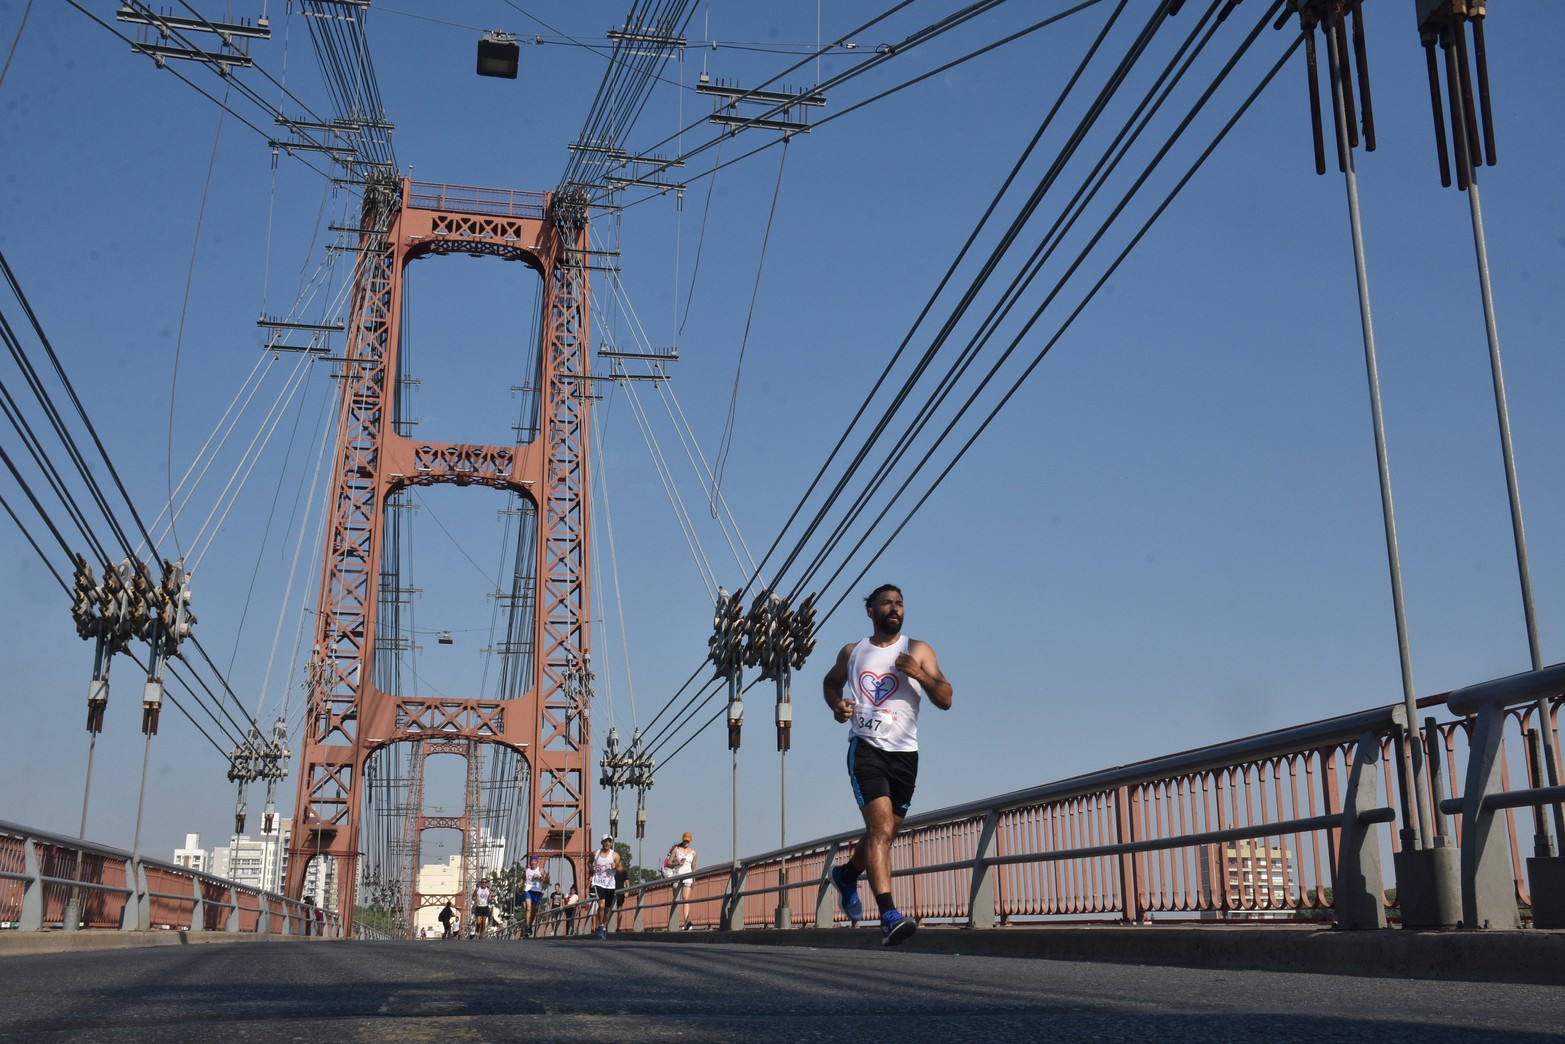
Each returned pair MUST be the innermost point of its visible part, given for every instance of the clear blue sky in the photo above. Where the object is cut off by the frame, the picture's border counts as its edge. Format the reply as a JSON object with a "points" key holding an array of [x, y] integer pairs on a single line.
{"points": [[1171, 535]]}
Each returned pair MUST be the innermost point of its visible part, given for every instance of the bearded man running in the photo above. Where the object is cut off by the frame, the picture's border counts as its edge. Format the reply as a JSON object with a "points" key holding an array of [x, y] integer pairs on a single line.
{"points": [[876, 687]]}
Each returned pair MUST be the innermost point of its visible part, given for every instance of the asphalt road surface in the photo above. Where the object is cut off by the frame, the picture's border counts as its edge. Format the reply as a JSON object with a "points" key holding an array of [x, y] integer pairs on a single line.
{"points": [[585, 990]]}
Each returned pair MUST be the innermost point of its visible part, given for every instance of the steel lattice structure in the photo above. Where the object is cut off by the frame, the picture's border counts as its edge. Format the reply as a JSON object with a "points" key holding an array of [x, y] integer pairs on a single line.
{"points": [[349, 717]]}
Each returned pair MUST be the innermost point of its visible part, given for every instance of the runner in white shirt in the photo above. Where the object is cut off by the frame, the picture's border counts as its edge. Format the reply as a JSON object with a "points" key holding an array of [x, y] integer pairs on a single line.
{"points": [[481, 907], [536, 881], [876, 686], [605, 883]]}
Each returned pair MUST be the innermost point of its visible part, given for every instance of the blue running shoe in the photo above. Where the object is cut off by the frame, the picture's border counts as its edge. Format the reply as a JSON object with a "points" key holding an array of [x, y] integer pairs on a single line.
{"points": [[847, 894], [894, 928]]}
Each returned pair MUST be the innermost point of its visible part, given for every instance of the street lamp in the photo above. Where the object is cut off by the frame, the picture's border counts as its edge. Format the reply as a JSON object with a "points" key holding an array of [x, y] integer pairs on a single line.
{"points": [[498, 54]]}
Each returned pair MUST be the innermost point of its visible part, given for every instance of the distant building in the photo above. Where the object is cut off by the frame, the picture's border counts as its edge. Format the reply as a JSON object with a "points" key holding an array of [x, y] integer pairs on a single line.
{"points": [[255, 862], [1241, 880], [320, 883], [447, 878], [192, 855]]}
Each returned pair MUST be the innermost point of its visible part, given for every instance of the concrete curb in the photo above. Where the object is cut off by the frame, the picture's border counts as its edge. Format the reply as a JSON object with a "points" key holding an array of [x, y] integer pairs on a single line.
{"points": [[13, 943], [1532, 957]]}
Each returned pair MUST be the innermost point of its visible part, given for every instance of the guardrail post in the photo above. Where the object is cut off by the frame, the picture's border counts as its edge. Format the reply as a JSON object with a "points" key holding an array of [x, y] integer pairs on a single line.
{"points": [[980, 892], [1488, 881], [231, 922], [1546, 888], [1130, 885], [1545, 870], [32, 889], [825, 894], [263, 917], [198, 906], [636, 924], [1429, 880], [733, 900], [1359, 890], [136, 916]]}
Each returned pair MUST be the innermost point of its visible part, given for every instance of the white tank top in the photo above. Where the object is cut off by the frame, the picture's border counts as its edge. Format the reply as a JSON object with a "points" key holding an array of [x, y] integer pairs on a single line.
{"points": [[885, 701], [603, 868]]}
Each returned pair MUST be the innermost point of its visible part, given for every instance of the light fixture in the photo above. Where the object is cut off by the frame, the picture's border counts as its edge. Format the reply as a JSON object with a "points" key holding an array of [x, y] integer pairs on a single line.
{"points": [[498, 54]]}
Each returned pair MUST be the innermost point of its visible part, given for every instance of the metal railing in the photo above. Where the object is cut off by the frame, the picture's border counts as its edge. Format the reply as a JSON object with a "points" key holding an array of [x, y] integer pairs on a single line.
{"points": [[470, 199], [53, 882], [1287, 826]]}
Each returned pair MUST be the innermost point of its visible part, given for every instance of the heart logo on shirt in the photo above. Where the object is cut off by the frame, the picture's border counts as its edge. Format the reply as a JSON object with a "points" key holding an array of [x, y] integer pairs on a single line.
{"points": [[878, 688]]}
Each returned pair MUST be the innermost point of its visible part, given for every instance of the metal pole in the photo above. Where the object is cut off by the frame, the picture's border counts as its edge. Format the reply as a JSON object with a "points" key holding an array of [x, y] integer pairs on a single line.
{"points": [[1420, 836], [141, 799], [92, 747], [72, 916], [784, 912], [1518, 530], [734, 838], [733, 696]]}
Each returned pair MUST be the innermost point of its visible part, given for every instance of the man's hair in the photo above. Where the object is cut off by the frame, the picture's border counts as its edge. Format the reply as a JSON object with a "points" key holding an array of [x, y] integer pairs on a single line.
{"points": [[882, 589]]}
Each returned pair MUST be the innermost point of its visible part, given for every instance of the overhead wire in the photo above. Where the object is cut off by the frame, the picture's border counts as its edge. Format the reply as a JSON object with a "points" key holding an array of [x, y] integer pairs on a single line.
{"points": [[1276, 68], [266, 533], [266, 107], [988, 266], [624, 89], [961, 253], [211, 703], [206, 456], [52, 476], [56, 419], [1073, 210], [304, 494], [206, 536], [850, 426], [1052, 294], [1281, 61], [922, 36], [997, 253], [15, 40], [184, 314], [725, 441], [619, 601], [769, 221]]}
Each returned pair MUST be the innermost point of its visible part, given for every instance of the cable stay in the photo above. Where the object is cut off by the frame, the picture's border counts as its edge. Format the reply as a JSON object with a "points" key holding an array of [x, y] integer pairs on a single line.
{"points": [[927, 409]]}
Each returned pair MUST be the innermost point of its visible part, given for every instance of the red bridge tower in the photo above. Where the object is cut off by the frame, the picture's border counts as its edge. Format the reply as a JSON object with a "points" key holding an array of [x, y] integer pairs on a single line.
{"points": [[349, 718]]}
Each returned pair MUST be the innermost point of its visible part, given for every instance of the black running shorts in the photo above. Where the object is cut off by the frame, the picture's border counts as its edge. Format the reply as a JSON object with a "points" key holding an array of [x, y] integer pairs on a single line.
{"points": [[877, 773]]}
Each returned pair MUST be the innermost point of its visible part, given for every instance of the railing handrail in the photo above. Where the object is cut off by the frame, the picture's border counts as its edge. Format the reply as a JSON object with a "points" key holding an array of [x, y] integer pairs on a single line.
{"points": [[139, 890], [1313, 735], [93, 848], [1510, 691]]}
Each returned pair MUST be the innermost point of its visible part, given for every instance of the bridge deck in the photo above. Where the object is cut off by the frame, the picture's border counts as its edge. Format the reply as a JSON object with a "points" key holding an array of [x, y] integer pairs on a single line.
{"points": [[701, 987]]}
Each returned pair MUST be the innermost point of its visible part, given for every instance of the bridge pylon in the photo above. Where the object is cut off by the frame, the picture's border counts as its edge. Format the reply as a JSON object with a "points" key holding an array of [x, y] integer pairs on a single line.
{"points": [[349, 717]]}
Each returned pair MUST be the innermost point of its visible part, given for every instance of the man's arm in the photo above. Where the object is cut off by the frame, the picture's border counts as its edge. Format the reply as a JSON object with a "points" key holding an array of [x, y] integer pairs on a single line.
{"points": [[831, 686], [921, 664]]}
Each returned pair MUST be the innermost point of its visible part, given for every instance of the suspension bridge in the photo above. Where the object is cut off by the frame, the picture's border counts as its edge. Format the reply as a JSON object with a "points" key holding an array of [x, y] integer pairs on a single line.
{"points": [[430, 704]]}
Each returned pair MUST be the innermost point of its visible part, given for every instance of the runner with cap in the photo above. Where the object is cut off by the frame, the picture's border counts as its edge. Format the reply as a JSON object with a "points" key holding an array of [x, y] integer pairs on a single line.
{"points": [[605, 868]]}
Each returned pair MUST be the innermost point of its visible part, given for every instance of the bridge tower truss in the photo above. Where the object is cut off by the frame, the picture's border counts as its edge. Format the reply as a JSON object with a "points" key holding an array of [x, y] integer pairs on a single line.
{"points": [[349, 717]]}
